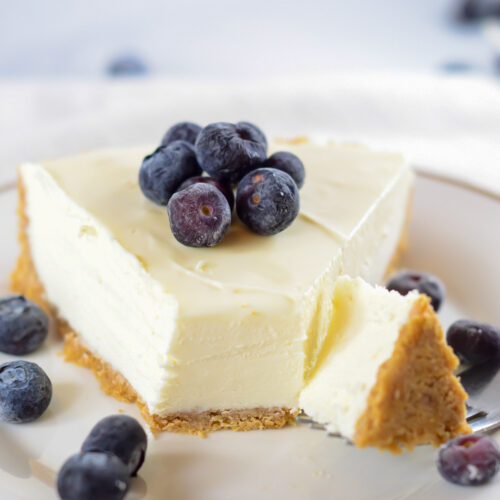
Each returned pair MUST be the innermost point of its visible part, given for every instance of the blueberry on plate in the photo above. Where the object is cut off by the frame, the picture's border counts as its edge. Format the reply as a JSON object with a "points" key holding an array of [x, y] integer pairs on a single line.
{"points": [[183, 131], [163, 171], [469, 460], [122, 436], [474, 342], [93, 476], [289, 163], [267, 201], [225, 189], [199, 215], [25, 392], [227, 152], [406, 281], [23, 325]]}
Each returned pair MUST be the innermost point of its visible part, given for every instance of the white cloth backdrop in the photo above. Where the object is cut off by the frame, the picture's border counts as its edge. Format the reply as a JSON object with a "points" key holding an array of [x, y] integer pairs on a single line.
{"points": [[446, 125]]}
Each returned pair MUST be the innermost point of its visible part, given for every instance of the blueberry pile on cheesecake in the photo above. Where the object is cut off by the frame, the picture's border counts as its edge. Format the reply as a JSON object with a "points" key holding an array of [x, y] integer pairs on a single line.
{"points": [[232, 156], [244, 335]]}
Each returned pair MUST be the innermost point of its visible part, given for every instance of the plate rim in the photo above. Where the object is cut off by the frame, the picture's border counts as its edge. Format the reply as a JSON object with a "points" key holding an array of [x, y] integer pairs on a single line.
{"points": [[455, 181]]}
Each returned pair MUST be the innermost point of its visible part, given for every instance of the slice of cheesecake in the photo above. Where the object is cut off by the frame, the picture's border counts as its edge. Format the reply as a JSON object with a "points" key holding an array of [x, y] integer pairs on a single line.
{"points": [[384, 375], [212, 338]]}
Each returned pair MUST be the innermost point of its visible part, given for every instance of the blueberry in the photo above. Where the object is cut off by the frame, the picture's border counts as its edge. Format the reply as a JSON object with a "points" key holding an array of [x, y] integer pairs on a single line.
{"points": [[183, 131], [474, 342], [23, 325], [251, 130], [289, 163], [227, 152], [122, 436], [267, 201], [477, 10], [469, 460], [406, 281], [184, 148], [199, 215], [25, 391], [127, 65], [163, 171], [93, 476], [225, 189]]}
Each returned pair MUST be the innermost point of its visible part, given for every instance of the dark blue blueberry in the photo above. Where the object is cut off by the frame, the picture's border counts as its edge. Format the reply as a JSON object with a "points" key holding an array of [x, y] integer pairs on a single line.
{"points": [[199, 215], [182, 148], [406, 281], [225, 189], [469, 460], [163, 171], [474, 342], [93, 475], [127, 65], [183, 131], [227, 152], [477, 10], [251, 131], [289, 163], [25, 391], [23, 325], [122, 436], [267, 201]]}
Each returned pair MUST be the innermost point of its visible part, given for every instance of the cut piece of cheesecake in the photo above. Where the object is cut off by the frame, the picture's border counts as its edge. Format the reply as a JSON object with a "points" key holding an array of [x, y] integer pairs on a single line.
{"points": [[203, 338], [384, 376]]}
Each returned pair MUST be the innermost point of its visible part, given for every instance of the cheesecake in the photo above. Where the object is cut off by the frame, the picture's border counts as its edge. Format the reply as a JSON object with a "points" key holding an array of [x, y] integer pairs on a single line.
{"points": [[384, 374], [212, 338]]}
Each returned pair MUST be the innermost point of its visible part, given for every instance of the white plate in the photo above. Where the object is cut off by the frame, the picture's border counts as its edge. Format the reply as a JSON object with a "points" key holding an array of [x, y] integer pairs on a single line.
{"points": [[454, 234]]}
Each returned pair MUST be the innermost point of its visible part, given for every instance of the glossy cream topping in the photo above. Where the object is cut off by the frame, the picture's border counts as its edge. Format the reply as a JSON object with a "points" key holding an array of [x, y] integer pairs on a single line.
{"points": [[239, 325]]}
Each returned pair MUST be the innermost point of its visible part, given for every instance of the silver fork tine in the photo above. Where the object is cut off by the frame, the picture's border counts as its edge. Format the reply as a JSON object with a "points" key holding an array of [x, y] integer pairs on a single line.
{"points": [[486, 424], [473, 413], [316, 426], [303, 419]]}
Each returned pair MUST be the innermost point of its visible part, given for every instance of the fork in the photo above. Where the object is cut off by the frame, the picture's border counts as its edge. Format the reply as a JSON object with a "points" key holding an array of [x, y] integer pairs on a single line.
{"points": [[482, 384]]}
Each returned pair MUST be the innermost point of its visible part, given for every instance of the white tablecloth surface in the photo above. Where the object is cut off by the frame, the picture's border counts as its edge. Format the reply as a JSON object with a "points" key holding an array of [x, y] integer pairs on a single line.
{"points": [[447, 125]]}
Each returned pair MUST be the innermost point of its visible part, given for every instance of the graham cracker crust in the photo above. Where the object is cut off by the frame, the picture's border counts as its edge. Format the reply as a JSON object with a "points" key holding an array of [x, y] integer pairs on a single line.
{"points": [[416, 399], [24, 280]]}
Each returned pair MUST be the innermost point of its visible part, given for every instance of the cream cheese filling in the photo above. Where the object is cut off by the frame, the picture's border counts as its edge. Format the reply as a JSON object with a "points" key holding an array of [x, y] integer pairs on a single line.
{"points": [[235, 326]]}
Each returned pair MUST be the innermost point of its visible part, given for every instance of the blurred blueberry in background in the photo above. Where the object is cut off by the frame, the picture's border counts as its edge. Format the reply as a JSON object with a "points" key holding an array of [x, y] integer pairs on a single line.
{"points": [[477, 10], [457, 67], [127, 65]]}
